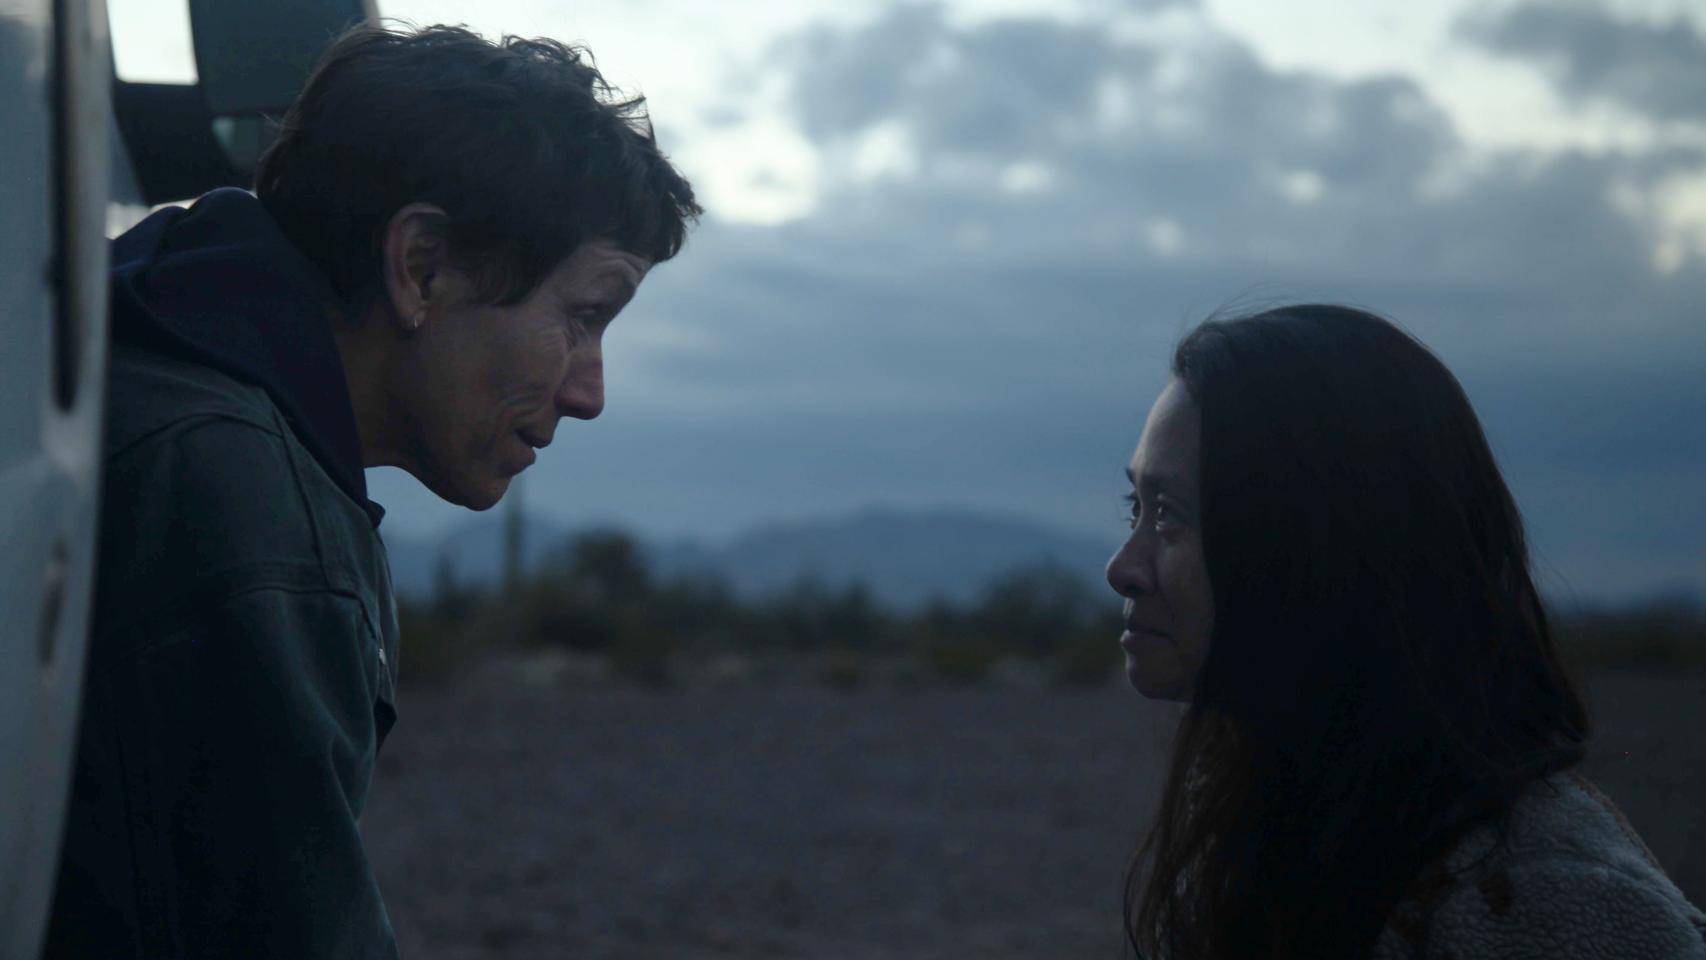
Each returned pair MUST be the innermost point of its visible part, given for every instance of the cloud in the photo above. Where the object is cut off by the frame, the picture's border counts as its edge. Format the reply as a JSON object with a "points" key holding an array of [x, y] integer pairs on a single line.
{"points": [[1654, 68], [1182, 150], [981, 315]]}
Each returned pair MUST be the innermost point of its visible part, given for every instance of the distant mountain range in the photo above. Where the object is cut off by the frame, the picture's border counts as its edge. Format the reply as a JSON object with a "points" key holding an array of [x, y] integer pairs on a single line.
{"points": [[905, 557]]}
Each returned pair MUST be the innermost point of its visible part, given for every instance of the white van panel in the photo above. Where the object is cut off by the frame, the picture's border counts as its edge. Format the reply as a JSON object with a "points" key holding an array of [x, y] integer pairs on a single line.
{"points": [[54, 111]]}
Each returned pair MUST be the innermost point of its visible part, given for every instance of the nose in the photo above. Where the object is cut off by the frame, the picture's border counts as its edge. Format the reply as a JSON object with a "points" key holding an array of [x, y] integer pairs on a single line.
{"points": [[1131, 570], [581, 394]]}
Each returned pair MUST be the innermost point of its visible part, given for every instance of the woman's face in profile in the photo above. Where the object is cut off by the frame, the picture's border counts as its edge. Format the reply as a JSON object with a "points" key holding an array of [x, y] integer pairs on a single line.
{"points": [[1159, 570]]}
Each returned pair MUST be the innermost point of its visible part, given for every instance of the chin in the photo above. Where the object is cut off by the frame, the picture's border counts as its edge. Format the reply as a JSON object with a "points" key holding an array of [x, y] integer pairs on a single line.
{"points": [[1152, 685], [474, 493], [486, 496]]}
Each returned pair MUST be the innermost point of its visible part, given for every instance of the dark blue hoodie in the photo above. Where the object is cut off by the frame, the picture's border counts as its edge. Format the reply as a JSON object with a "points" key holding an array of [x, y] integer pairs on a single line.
{"points": [[243, 646], [219, 284]]}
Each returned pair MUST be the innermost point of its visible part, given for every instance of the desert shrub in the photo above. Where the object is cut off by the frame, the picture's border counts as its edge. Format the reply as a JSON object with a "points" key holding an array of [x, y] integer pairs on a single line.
{"points": [[553, 611], [1669, 635], [1033, 610], [946, 641], [961, 658], [843, 669], [433, 648], [598, 596], [811, 616], [1088, 657], [591, 596], [851, 620], [702, 610], [607, 566], [808, 617], [453, 602], [642, 653]]}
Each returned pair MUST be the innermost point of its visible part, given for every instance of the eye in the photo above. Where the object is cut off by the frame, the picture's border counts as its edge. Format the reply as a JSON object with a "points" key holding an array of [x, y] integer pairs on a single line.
{"points": [[1164, 517], [577, 324], [585, 320]]}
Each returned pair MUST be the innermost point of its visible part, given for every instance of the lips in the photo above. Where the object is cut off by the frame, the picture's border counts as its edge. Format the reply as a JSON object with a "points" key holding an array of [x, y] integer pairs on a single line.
{"points": [[1137, 635], [527, 456]]}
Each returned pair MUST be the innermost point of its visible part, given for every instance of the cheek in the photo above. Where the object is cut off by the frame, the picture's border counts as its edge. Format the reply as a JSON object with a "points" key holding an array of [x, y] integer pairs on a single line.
{"points": [[433, 388], [1184, 576], [526, 372]]}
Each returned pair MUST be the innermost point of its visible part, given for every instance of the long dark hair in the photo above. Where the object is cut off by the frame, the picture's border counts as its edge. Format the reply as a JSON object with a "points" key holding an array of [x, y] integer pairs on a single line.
{"points": [[1381, 676]]}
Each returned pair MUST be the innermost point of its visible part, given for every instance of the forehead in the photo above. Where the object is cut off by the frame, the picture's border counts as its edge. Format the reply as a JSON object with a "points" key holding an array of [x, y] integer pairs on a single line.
{"points": [[1170, 436]]}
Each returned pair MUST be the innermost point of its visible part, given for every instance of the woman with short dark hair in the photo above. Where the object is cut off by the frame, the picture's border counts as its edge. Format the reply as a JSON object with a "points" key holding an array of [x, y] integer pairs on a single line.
{"points": [[439, 238], [1376, 760]]}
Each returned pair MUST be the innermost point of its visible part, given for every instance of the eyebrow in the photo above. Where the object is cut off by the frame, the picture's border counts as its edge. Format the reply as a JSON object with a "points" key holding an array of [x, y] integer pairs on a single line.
{"points": [[617, 285], [612, 288], [1165, 482]]}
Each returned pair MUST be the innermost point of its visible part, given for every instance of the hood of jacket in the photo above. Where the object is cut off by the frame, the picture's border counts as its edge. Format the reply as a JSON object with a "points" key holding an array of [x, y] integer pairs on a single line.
{"points": [[218, 283]]}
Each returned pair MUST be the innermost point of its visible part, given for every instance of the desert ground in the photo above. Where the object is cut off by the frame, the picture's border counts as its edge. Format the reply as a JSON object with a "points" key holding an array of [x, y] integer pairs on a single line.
{"points": [[521, 820]]}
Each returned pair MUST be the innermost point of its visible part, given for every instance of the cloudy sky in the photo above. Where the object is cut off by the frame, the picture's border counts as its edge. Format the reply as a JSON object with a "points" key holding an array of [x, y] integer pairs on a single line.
{"points": [[950, 245]]}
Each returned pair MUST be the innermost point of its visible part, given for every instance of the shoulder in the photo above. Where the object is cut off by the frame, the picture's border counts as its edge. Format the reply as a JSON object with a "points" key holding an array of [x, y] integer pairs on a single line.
{"points": [[149, 392], [206, 493], [194, 455], [1569, 909], [1570, 880], [198, 510]]}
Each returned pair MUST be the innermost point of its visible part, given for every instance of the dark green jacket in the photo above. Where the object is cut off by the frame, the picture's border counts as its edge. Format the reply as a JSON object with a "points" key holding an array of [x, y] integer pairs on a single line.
{"points": [[241, 676]]}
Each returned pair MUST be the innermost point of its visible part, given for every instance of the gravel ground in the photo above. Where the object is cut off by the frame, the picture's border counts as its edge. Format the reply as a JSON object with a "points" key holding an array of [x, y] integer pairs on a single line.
{"points": [[763, 821]]}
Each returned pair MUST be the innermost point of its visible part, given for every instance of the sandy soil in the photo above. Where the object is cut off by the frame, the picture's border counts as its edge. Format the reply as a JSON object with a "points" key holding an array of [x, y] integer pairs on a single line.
{"points": [[803, 822]]}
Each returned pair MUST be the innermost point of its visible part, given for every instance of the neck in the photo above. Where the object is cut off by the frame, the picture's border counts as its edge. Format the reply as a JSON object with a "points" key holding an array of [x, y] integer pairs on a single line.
{"points": [[365, 353]]}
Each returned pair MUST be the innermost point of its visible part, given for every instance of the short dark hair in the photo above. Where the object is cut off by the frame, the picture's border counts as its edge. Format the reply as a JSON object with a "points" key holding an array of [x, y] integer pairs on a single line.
{"points": [[1381, 674], [522, 143]]}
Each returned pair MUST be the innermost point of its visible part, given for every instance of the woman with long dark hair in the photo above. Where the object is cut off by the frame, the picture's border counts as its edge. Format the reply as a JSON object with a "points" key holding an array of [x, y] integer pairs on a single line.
{"points": [[1376, 759]]}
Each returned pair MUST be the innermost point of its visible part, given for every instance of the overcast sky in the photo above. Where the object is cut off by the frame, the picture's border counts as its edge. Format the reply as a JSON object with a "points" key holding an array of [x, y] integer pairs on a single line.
{"points": [[950, 246]]}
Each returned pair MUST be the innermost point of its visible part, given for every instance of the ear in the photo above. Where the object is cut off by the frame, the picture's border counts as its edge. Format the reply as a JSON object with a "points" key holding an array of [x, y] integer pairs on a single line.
{"points": [[414, 256]]}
